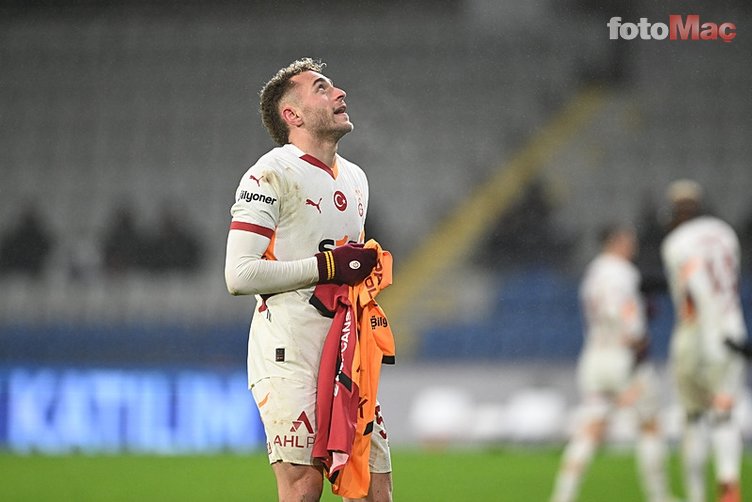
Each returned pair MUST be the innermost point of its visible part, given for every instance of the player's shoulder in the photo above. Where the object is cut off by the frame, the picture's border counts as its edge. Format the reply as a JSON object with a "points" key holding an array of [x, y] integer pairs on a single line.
{"points": [[613, 266], [669, 239], [674, 243], [718, 225], [349, 166], [698, 228], [276, 159], [685, 240], [683, 231], [342, 161], [272, 168]]}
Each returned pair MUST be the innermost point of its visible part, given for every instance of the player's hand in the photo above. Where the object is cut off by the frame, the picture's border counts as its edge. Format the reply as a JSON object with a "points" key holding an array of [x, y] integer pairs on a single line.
{"points": [[348, 264]]}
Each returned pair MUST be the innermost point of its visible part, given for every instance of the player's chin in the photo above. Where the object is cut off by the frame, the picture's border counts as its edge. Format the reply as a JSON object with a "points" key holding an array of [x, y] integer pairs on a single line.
{"points": [[340, 129], [345, 128]]}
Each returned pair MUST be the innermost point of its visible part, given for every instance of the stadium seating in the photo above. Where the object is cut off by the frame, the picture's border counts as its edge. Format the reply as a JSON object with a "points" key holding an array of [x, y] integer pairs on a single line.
{"points": [[123, 108]]}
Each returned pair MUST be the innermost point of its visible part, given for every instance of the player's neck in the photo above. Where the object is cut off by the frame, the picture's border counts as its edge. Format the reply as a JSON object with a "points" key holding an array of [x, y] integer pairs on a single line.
{"points": [[619, 253], [323, 150]]}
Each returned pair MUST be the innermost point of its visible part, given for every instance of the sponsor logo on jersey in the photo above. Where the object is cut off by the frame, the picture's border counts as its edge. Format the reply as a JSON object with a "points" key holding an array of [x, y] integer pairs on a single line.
{"points": [[379, 322], [329, 244], [253, 196], [302, 420], [257, 180], [344, 341], [295, 440], [340, 201], [317, 205], [676, 29], [372, 281]]}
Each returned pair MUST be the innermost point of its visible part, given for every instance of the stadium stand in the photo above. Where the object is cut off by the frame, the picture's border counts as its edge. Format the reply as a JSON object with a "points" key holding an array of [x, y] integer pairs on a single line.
{"points": [[116, 106], [682, 113]]}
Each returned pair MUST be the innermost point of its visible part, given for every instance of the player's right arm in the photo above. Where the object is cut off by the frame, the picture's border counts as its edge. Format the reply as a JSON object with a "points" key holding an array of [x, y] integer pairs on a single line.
{"points": [[247, 272], [250, 267]]}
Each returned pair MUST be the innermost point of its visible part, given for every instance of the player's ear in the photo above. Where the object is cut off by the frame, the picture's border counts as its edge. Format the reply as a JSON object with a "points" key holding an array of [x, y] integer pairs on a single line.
{"points": [[291, 116]]}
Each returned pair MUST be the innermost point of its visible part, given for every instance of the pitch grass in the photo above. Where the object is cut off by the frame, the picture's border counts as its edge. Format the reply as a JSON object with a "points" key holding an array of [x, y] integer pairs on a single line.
{"points": [[514, 475]]}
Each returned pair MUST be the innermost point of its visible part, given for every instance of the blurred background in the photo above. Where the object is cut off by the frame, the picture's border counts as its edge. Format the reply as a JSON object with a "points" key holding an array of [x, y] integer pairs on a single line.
{"points": [[498, 138]]}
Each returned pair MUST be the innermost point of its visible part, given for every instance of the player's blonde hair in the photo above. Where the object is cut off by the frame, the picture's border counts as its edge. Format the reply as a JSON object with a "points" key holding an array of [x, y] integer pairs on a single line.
{"points": [[273, 92]]}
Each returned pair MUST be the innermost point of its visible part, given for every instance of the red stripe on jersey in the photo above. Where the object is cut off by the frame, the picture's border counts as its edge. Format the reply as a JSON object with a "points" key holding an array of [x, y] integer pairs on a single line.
{"points": [[250, 227], [316, 162]]}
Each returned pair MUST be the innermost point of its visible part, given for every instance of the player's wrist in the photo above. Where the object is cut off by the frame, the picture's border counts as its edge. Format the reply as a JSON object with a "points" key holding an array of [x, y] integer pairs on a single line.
{"points": [[326, 266], [348, 264]]}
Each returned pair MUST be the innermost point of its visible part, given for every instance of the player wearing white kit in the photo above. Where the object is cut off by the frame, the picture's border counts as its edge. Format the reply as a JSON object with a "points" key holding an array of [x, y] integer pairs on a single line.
{"points": [[298, 220], [611, 371], [701, 258]]}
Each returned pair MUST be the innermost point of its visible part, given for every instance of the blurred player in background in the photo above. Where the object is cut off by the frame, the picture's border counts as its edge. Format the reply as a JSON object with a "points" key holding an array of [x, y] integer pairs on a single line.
{"points": [[612, 371], [298, 220], [701, 257]]}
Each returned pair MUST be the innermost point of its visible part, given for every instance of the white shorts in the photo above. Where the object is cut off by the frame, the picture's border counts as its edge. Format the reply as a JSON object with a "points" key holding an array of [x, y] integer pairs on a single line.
{"points": [[698, 382], [604, 371], [288, 412], [601, 396]]}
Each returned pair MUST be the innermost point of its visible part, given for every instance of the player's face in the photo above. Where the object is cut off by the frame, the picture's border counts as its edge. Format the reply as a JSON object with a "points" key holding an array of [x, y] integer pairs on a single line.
{"points": [[322, 106]]}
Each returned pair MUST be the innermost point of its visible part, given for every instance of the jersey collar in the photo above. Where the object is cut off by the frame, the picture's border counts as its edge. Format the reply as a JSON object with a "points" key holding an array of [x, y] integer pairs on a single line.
{"points": [[332, 171]]}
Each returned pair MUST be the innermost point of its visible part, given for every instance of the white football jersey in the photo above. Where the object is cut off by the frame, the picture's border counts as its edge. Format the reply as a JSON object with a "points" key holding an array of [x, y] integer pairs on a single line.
{"points": [[611, 302], [701, 258], [615, 319], [304, 207]]}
